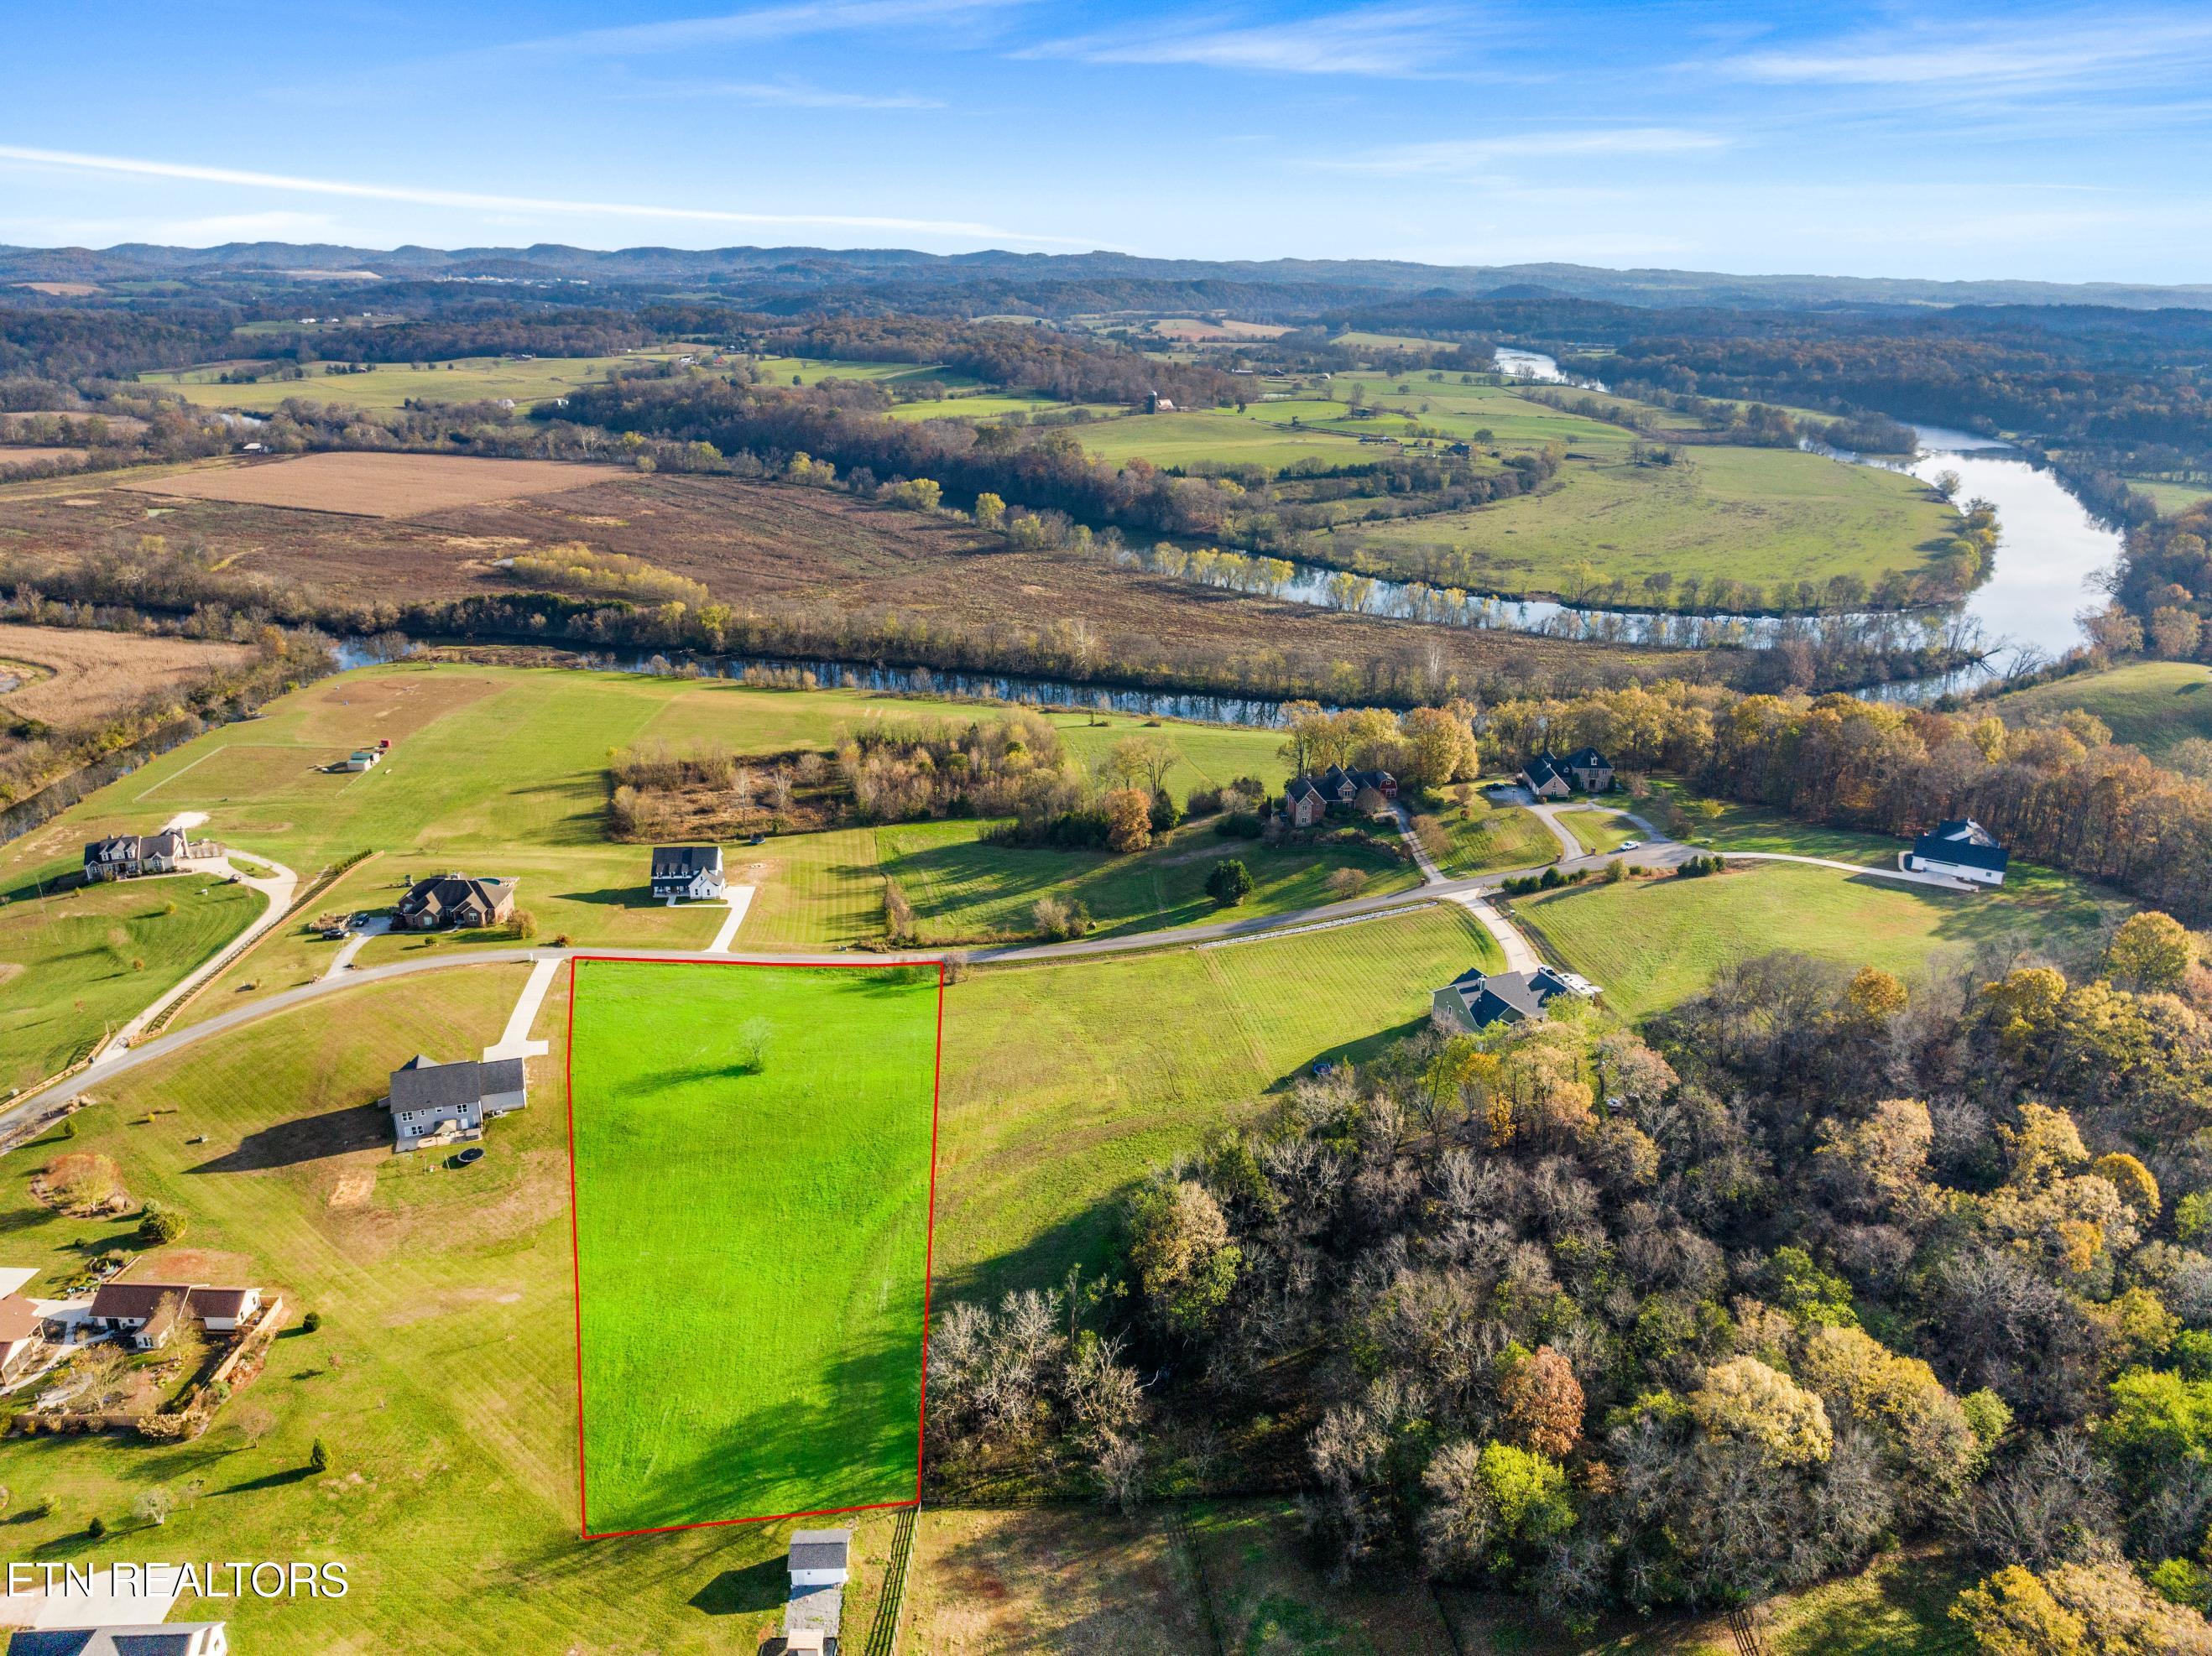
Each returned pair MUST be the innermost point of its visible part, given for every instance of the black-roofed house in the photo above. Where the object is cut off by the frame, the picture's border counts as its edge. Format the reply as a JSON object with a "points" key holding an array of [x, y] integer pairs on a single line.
{"points": [[455, 900], [821, 1560], [115, 858], [1546, 778], [1476, 999], [1591, 770], [1303, 804], [1961, 848], [687, 871], [437, 1103]]}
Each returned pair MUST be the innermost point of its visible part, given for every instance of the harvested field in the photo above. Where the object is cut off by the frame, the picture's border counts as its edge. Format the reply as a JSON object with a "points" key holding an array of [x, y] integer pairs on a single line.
{"points": [[13, 459], [761, 543], [356, 485], [61, 289], [85, 675]]}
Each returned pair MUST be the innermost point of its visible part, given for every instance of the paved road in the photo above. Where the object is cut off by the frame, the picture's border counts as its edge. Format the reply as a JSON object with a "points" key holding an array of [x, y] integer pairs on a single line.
{"points": [[1473, 894]]}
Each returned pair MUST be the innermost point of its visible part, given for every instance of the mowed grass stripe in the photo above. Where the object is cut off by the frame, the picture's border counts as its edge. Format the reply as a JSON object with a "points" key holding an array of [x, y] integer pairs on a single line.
{"points": [[752, 1242]]}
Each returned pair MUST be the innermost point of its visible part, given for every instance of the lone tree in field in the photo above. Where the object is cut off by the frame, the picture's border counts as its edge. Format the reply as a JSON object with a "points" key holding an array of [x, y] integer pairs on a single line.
{"points": [[1128, 819], [319, 1458], [1229, 883], [83, 1179]]}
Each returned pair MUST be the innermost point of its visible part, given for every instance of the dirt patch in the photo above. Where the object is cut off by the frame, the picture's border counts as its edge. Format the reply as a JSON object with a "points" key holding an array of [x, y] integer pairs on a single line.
{"points": [[90, 675], [353, 1188], [10, 970], [350, 711], [61, 289], [358, 485], [194, 1264]]}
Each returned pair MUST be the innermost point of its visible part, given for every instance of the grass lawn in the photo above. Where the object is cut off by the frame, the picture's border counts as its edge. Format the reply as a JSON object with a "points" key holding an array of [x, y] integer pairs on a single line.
{"points": [[1598, 830], [2171, 497], [2151, 705], [964, 889], [751, 1326], [1757, 515], [78, 962], [1652, 943], [1487, 837], [1722, 825], [1065, 1083], [387, 386]]}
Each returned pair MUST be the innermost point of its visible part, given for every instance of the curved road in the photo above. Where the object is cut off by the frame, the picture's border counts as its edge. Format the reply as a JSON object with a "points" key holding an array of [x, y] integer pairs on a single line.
{"points": [[1471, 894]]}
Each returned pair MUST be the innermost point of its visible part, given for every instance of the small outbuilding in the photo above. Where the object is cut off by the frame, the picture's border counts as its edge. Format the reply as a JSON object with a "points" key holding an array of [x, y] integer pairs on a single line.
{"points": [[682, 872], [821, 1561]]}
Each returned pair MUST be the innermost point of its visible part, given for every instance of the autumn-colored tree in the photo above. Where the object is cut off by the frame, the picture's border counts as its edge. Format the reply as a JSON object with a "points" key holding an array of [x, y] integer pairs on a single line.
{"points": [[1128, 819], [1875, 996], [1543, 1404], [1745, 1399], [2151, 951], [1179, 1246]]}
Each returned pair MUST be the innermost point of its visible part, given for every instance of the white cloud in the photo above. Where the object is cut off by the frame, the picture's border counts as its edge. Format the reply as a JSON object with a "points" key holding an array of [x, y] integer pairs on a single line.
{"points": [[785, 95], [1393, 41], [769, 24], [1460, 157], [478, 202], [2017, 56]]}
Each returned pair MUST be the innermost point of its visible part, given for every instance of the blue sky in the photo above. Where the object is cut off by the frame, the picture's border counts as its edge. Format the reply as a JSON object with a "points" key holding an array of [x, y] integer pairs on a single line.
{"points": [[2058, 143]]}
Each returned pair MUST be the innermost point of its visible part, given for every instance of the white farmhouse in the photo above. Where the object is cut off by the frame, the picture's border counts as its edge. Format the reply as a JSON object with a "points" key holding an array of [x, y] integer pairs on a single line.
{"points": [[1963, 849]]}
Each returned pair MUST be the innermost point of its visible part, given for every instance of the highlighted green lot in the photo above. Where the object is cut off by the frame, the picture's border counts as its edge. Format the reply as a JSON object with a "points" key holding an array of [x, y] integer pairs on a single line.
{"points": [[752, 1165]]}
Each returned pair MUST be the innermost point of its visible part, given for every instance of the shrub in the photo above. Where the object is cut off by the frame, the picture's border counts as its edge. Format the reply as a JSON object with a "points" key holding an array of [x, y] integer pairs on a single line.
{"points": [[319, 1458], [310, 1322], [160, 1225], [97, 1528], [1230, 883], [1238, 825]]}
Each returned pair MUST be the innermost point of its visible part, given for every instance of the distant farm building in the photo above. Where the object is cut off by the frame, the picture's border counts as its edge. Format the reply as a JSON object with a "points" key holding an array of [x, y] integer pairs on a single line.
{"points": [[820, 1562], [455, 900], [127, 856], [365, 759], [1963, 849], [435, 1103], [687, 871], [1476, 999]]}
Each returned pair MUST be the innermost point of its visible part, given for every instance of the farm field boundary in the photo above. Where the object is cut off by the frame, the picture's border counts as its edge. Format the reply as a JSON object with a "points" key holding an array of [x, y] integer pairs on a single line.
{"points": [[752, 1163]]}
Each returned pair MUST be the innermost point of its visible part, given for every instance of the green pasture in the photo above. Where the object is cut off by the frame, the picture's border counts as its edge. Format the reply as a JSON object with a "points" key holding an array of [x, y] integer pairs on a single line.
{"points": [[751, 1327], [77, 961], [1220, 436], [1758, 515], [2171, 497], [812, 370], [2150, 705], [1724, 825], [1653, 944], [965, 889], [1487, 838], [387, 386], [1598, 830]]}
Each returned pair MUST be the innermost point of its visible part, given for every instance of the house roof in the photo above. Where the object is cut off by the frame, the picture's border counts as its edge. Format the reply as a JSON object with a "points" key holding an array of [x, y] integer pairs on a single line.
{"points": [[135, 1300], [423, 1084], [174, 1640], [1299, 788], [116, 847], [1587, 759], [1490, 996], [19, 1320], [221, 1302], [447, 893], [820, 1549], [169, 842], [1541, 767], [1967, 853], [682, 862], [1961, 828]]}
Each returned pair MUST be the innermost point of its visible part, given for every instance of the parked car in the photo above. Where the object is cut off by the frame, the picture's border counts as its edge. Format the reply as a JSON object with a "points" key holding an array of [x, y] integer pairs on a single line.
{"points": [[1632, 844]]}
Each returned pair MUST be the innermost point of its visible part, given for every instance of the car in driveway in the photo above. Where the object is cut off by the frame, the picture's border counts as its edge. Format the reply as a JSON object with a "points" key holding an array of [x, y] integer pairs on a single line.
{"points": [[1629, 844]]}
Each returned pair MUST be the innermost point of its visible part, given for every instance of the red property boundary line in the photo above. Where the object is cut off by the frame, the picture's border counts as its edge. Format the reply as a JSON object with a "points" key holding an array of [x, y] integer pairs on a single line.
{"points": [[575, 1247]]}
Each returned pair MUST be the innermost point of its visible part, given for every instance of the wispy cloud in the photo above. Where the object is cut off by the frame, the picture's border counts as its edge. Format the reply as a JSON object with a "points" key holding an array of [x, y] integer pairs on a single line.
{"points": [[1467, 157], [481, 202], [1393, 41], [2016, 56], [782, 95], [785, 22]]}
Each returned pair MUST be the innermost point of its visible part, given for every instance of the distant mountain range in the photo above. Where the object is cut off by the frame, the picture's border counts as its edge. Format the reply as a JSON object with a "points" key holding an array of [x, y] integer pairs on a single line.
{"points": [[793, 271]]}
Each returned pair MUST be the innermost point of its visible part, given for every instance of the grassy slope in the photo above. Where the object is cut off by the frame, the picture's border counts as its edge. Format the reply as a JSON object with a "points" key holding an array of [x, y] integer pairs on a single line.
{"points": [[1485, 838], [1652, 943], [1596, 829], [751, 1330], [1752, 827], [503, 771], [387, 386], [68, 968], [2149, 704], [1064, 1083], [1755, 514]]}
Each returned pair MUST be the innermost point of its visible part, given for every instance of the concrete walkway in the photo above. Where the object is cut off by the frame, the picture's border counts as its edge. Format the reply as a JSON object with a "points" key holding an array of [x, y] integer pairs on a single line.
{"points": [[515, 1041], [278, 886], [739, 898]]}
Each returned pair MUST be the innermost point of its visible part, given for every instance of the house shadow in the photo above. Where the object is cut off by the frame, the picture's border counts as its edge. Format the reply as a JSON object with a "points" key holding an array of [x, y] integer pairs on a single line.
{"points": [[310, 1138], [614, 896], [736, 1593]]}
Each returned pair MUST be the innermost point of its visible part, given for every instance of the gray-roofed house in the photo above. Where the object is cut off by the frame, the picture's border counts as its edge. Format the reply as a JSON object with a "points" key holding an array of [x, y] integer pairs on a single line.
{"points": [[682, 871], [1476, 999], [820, 1562], [457, 900], [435, 1103], [172, 1639], [115, 858], [1303, 804], [1592, 770], [1546, 778], [1961, 848], [126, 856], [148, 1313]]}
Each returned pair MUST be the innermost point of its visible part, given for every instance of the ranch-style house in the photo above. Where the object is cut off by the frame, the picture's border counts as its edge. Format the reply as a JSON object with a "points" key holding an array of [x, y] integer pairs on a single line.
{"points": [[1961, 848], [455, 900], [1476, 999], [435, 1103], [147, 1313], [687, 871]]}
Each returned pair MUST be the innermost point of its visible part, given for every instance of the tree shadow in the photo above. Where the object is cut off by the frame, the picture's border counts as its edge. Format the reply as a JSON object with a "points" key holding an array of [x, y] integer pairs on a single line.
{"points": [[309, 1138], [735, 1592], [290, 1475]]}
